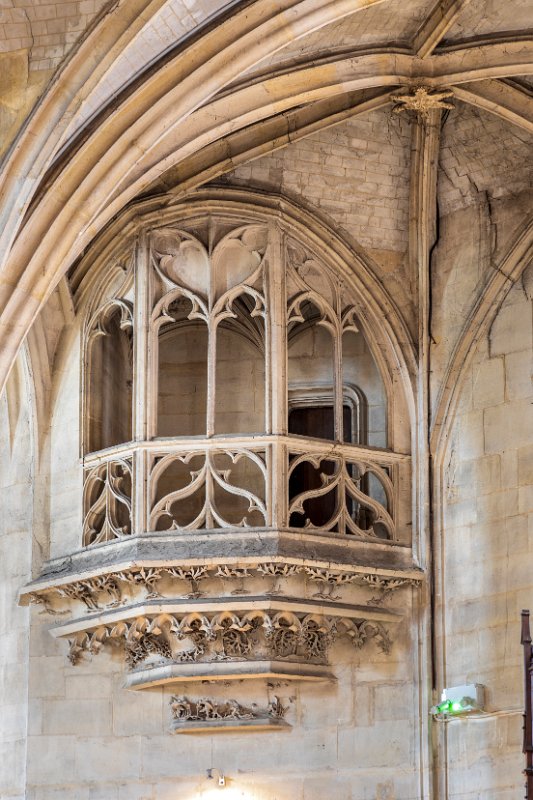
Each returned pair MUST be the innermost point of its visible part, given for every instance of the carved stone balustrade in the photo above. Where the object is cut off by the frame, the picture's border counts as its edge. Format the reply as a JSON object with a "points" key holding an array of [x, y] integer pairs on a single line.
{"points": [[231, 481], [228, 584]]}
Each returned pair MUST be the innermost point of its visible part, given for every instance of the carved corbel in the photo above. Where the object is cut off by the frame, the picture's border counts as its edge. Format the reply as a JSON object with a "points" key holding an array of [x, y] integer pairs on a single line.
{"points": [[422, 100], [251, 636]]}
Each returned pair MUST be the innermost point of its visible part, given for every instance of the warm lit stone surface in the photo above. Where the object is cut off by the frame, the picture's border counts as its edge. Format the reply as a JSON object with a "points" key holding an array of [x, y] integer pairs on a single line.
{"points": [[428, 220]]}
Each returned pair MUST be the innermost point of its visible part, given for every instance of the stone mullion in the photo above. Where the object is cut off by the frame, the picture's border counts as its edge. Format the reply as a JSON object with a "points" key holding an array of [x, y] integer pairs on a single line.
{"points": [[276, 335], [142, 402], [279, 485], [212, 332], [270, 464], [144, 382], [211, 375], [338, 389], [276, 366]]}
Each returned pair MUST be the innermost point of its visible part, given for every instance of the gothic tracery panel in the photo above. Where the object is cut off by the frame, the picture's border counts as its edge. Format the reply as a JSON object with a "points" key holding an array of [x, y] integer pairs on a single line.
{"points": [[331, 491], [216, 362], [107, 493], [208, 489]]}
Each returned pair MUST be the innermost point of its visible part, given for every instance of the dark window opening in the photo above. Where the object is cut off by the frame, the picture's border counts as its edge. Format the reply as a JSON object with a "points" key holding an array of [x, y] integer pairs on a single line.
{"points": [[318, 422]]}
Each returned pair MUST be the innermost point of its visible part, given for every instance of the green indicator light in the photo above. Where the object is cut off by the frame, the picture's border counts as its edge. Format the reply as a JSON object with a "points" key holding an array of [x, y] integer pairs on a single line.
{"points": [[464, 700]]}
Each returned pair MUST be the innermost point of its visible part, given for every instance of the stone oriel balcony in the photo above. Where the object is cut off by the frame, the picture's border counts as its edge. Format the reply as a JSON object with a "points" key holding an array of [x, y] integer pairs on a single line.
{"points": [[205, 559]]}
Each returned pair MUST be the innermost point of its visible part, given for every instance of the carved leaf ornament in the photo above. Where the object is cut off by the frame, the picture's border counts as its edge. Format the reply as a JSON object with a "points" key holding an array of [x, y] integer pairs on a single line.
{"points": [[228, 636], [100, 322], [107, 591]]}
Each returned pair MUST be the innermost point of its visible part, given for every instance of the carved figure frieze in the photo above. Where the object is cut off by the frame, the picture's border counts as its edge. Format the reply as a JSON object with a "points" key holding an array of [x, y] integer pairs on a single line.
{"points": [[204, 709], [205, 638]]}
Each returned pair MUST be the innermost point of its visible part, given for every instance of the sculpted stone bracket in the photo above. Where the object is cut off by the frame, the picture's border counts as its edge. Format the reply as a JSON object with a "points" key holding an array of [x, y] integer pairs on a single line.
{"points": [[422, 100], [209, 715], [268, 618], [257, 637]]}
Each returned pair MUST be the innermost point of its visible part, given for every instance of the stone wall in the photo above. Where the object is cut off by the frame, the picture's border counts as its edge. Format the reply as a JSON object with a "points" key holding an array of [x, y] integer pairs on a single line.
{"points": [[357, 175], [64, 470], [486, 555], [353, 740], [16, 504]]}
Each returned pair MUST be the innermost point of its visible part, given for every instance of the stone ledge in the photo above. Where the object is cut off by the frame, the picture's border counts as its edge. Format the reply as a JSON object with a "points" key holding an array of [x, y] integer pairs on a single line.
{"points": [[232, 547], [227, 671], [220, 604], [227, 725]]}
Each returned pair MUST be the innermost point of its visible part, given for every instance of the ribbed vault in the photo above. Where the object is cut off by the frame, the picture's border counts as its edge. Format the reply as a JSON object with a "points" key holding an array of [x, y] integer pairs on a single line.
{"points": [[194, 112]]}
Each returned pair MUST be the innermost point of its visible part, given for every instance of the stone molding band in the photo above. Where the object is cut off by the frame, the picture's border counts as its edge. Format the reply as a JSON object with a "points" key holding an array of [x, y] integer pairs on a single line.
{"points": [[110, 586]]}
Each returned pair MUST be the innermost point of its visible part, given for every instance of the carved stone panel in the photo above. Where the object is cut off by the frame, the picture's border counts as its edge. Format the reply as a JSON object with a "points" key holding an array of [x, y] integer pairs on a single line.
{"points": [[209, 715]]}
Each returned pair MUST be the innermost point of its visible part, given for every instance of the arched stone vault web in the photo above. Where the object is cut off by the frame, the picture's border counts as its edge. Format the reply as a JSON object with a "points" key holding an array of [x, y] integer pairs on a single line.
{"points": [[488, 62]]}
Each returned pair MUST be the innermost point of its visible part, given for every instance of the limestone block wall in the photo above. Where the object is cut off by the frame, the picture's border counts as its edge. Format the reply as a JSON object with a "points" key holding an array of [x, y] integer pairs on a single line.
{"points": [[486, 559], [35, 37], [65, 482], [356, 174], [16, 495], [352, 740], [484, 199]]}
